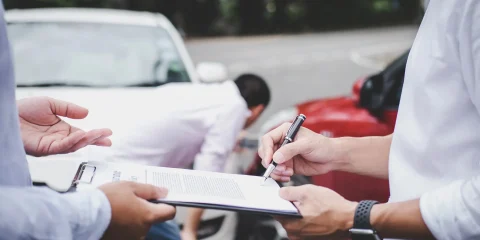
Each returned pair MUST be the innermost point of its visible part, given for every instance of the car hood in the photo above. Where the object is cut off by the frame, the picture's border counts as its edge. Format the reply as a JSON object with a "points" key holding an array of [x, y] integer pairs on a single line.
{"points": [[321, 104], [332, 108], [341, 116], [79, 93], [105, 105], [108, 108], [316, 111]]}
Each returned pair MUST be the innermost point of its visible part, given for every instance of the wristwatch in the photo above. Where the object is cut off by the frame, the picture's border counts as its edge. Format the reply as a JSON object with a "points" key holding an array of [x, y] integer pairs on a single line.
{"points": [[362, 229]]}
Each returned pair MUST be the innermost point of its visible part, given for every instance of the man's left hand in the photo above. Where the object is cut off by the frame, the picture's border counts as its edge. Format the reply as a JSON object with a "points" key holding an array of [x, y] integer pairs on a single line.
{"points": [[325, 213], [44, 133]]}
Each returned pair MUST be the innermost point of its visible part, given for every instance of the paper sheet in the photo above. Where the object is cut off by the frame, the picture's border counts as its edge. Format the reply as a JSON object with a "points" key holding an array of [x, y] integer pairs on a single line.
{"points": [[189, 186]]}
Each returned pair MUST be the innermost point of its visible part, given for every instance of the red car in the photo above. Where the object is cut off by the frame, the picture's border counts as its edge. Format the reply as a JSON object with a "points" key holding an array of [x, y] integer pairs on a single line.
{"points": [[371, 110]]}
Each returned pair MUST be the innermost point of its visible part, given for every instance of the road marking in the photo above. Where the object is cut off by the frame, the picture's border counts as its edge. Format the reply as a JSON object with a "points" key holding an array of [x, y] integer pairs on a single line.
{"points": [[295, 60], [365, 56], [366, 61]]}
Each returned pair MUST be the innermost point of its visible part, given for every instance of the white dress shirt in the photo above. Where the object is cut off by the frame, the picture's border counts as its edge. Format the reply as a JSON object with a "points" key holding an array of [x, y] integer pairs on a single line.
{"points": [[188, 123], [435, 153]]}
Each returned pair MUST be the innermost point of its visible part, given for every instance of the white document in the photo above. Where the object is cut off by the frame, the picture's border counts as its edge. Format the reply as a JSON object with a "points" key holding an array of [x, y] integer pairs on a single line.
{"points": [[197, 187]]}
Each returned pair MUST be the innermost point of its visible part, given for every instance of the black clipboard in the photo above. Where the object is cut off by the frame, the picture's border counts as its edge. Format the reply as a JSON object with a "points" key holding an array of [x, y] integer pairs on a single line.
{"points": [[231, 208], [81, 169]]}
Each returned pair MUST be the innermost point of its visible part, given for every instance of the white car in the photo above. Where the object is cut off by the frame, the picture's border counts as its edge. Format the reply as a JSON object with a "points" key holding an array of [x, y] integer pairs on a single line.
{"points": [[97, 58]]}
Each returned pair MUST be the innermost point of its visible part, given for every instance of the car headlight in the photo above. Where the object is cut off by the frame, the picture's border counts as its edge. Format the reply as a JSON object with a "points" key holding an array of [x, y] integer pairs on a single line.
{"points": [[285, 115]]}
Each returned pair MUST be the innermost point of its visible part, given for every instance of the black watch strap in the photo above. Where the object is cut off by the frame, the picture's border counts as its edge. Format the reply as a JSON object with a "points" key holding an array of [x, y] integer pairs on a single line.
{"points": [[362, 229]]}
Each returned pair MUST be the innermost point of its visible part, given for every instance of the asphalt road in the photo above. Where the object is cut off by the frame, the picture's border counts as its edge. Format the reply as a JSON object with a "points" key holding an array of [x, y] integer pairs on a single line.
{"points": [[306, 66]]}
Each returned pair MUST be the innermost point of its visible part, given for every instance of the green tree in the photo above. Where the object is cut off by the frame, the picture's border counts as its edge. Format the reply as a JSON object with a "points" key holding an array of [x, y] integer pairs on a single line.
{"points": [[252, 16]]}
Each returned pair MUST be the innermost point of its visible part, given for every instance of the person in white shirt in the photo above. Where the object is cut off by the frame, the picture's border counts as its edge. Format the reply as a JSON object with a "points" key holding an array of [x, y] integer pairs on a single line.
{"points": [[193, 124], [432, 159]]}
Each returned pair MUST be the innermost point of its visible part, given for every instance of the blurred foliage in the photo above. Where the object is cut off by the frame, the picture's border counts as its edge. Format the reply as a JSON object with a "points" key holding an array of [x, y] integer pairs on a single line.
{"points": [[61, 3], [380, 6], [233, 17]]}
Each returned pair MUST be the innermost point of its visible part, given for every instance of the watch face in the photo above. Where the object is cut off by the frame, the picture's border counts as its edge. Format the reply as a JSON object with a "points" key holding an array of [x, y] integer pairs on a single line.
{"points": [[361, 231], [364, 234]]}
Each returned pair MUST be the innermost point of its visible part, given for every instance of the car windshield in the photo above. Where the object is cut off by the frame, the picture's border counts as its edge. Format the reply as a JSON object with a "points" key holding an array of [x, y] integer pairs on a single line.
{"points": [[94, 55]]}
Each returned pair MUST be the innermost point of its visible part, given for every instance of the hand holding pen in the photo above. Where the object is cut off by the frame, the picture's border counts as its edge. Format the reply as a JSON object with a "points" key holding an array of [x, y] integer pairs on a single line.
{"points": [[289, 136], [309, 154]]}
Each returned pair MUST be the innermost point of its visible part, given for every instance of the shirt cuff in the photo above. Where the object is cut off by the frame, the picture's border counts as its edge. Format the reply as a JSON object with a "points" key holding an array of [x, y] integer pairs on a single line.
{"points": [[444, 212], [91, 213]]}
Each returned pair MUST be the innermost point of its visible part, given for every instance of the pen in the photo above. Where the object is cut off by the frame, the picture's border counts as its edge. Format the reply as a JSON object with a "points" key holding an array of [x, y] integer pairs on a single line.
{"points": [[292, 131]]}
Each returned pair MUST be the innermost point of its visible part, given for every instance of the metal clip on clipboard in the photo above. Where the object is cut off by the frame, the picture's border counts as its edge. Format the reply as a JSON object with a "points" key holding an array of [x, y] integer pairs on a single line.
{"points": [[81, 169]]}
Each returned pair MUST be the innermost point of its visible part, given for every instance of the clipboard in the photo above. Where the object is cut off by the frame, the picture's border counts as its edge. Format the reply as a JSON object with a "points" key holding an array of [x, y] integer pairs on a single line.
{"points": [[59, 175], [77, 179], [230, 208], [92, 169], [54, 172]]}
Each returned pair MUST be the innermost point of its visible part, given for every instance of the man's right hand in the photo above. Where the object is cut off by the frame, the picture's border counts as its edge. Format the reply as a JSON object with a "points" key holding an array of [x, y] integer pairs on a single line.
{"points": [[309, 154], [132, 214]]}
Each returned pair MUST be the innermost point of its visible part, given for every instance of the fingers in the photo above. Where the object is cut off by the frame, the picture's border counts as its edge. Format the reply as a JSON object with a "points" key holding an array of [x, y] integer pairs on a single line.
{"points": [[282, 173], [65, 144], [288, 151], [103, 142], [268, 142], [265, 152], [67, 109], [78, 139], [294, 194], [90, 138], [280, 178], [148, 192], [161, 212], [285, 173]]}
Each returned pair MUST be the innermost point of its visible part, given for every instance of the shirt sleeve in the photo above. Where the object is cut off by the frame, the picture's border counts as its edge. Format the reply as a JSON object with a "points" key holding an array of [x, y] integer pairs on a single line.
{"points": [[41, 213], [452, 212], [220, 139]]}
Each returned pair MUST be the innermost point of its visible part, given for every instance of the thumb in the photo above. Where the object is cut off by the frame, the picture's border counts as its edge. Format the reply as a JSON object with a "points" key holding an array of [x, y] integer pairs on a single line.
{"points": [[148, 192], [161, 212], [294, 194], [287, 152], [66, 109]]}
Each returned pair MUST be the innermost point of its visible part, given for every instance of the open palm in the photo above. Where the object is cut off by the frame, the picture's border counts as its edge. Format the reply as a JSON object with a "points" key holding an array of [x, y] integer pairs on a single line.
{"points": [[45, 133]]}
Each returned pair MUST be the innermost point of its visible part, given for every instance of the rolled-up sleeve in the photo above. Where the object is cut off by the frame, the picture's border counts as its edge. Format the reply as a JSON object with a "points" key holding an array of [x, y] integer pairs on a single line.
{"points": [[453, 212], [40, 213]]}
